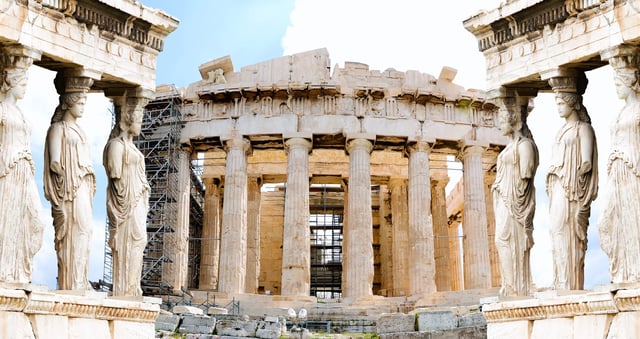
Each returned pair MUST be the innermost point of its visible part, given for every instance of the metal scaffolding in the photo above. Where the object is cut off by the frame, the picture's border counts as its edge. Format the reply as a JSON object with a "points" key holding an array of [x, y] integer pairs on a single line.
{"points": [[159, 141]]}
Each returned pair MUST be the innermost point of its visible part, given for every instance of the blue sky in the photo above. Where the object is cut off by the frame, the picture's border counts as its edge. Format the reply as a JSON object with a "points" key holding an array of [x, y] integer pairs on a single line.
{"points": [[403, 34]]}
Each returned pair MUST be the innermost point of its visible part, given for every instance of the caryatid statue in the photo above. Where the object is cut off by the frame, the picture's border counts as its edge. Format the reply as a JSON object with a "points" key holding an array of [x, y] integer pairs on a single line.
{"points": [[127, 197], [514, 197], [572, 182], [21, 222], [619, 224], [69, 183]]}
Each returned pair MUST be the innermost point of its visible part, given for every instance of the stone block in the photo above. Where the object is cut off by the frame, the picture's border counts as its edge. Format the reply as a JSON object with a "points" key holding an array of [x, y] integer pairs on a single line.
{"points": [[472, 320], [236, 327], [395, 322], [15, 325], [122, 329], [217, 310], [560, 327], [437, 321], [83, 328], [197, 324], [44, 325], [625, 325], [182, 309], [509, 329], [167, 322], [269, 329], [592, 326]]}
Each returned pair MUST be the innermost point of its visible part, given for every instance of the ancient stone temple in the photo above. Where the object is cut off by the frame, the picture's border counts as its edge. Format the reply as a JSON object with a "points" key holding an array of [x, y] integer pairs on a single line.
{"points": [[97, 46], [332, 184], [547, 46]]}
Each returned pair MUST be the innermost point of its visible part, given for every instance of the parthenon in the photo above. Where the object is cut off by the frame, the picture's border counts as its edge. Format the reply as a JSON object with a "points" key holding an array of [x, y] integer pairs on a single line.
{"points": [[377, 143]]}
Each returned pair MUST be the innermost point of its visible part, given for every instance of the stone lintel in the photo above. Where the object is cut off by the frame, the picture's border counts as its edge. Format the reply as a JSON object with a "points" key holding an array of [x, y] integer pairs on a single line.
{"points": [[79, 304]]}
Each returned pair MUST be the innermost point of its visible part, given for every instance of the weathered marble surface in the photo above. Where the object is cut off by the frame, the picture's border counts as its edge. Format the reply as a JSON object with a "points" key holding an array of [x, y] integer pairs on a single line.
{"points": [[514, 200], [572, 184], [70, 185], [619, 224], [21, 224], [127, 200]]}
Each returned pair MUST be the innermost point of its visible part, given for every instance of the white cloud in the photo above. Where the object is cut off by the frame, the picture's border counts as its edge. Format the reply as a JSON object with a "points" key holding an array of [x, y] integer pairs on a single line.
{"points": [[427, 35]]}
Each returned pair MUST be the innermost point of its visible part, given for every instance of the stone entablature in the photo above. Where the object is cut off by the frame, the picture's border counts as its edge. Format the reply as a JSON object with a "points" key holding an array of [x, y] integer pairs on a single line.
{"points": [[606, 313], [113, 41], [279, 97], [33, 311], [523, 39]]}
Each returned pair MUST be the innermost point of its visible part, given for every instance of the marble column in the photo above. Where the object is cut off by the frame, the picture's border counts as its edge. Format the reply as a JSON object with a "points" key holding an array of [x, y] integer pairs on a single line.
{"points": [[345, 235], [210, 246], [494, 260], [477, 268], [386, 242], [233, 246], [441, 232], [358, 233], [253, 234], [422, 266], [176, 243], [455, 256], [296, 266], [400, 236]]}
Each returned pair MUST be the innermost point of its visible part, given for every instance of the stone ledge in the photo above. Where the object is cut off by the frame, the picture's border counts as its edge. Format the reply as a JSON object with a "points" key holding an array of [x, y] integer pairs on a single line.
{"points": [[559, 304]]}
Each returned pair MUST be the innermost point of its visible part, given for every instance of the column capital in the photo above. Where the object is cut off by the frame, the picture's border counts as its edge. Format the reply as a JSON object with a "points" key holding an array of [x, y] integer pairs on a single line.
{"points": [[622, 56], [298, 142], [469, 149], [237, 143], [66, 83], [418, 146], [566, 80], [16, 56], [359, 143], [439, 181]]}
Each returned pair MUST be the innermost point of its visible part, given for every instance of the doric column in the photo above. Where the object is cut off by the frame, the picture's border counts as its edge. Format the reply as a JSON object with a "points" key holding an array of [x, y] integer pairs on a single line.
{"points": [[296, 264], [386, 242], [494, 260], [176, 243], [233, 246], [253, 234], [400, 236], [477, 269], [422, 268], [210, 246], [359, 235], [441, 232], [455, 257]]}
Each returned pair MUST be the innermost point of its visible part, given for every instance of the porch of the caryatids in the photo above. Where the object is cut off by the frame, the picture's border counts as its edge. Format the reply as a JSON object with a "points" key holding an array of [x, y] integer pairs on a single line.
{"points": [[296, 265], [358, 267], [233, 246]]}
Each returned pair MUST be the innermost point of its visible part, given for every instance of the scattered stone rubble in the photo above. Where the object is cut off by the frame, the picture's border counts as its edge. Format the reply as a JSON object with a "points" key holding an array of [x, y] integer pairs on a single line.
{"points": [[187, 322]]}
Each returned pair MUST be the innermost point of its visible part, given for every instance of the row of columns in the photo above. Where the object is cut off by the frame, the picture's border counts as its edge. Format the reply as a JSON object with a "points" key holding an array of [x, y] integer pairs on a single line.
{"points": [[422, 259]]}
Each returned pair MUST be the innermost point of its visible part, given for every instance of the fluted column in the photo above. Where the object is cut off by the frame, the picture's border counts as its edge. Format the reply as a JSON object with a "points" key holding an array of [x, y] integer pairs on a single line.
{"points": [[177, 242], [400, 235], [296, 266], [386, 242], [359, 234], [455, 256], [477, 269], [253, 234], [210, 246], [233, 247], [494, 260], [441, 232], [422, 270]]}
